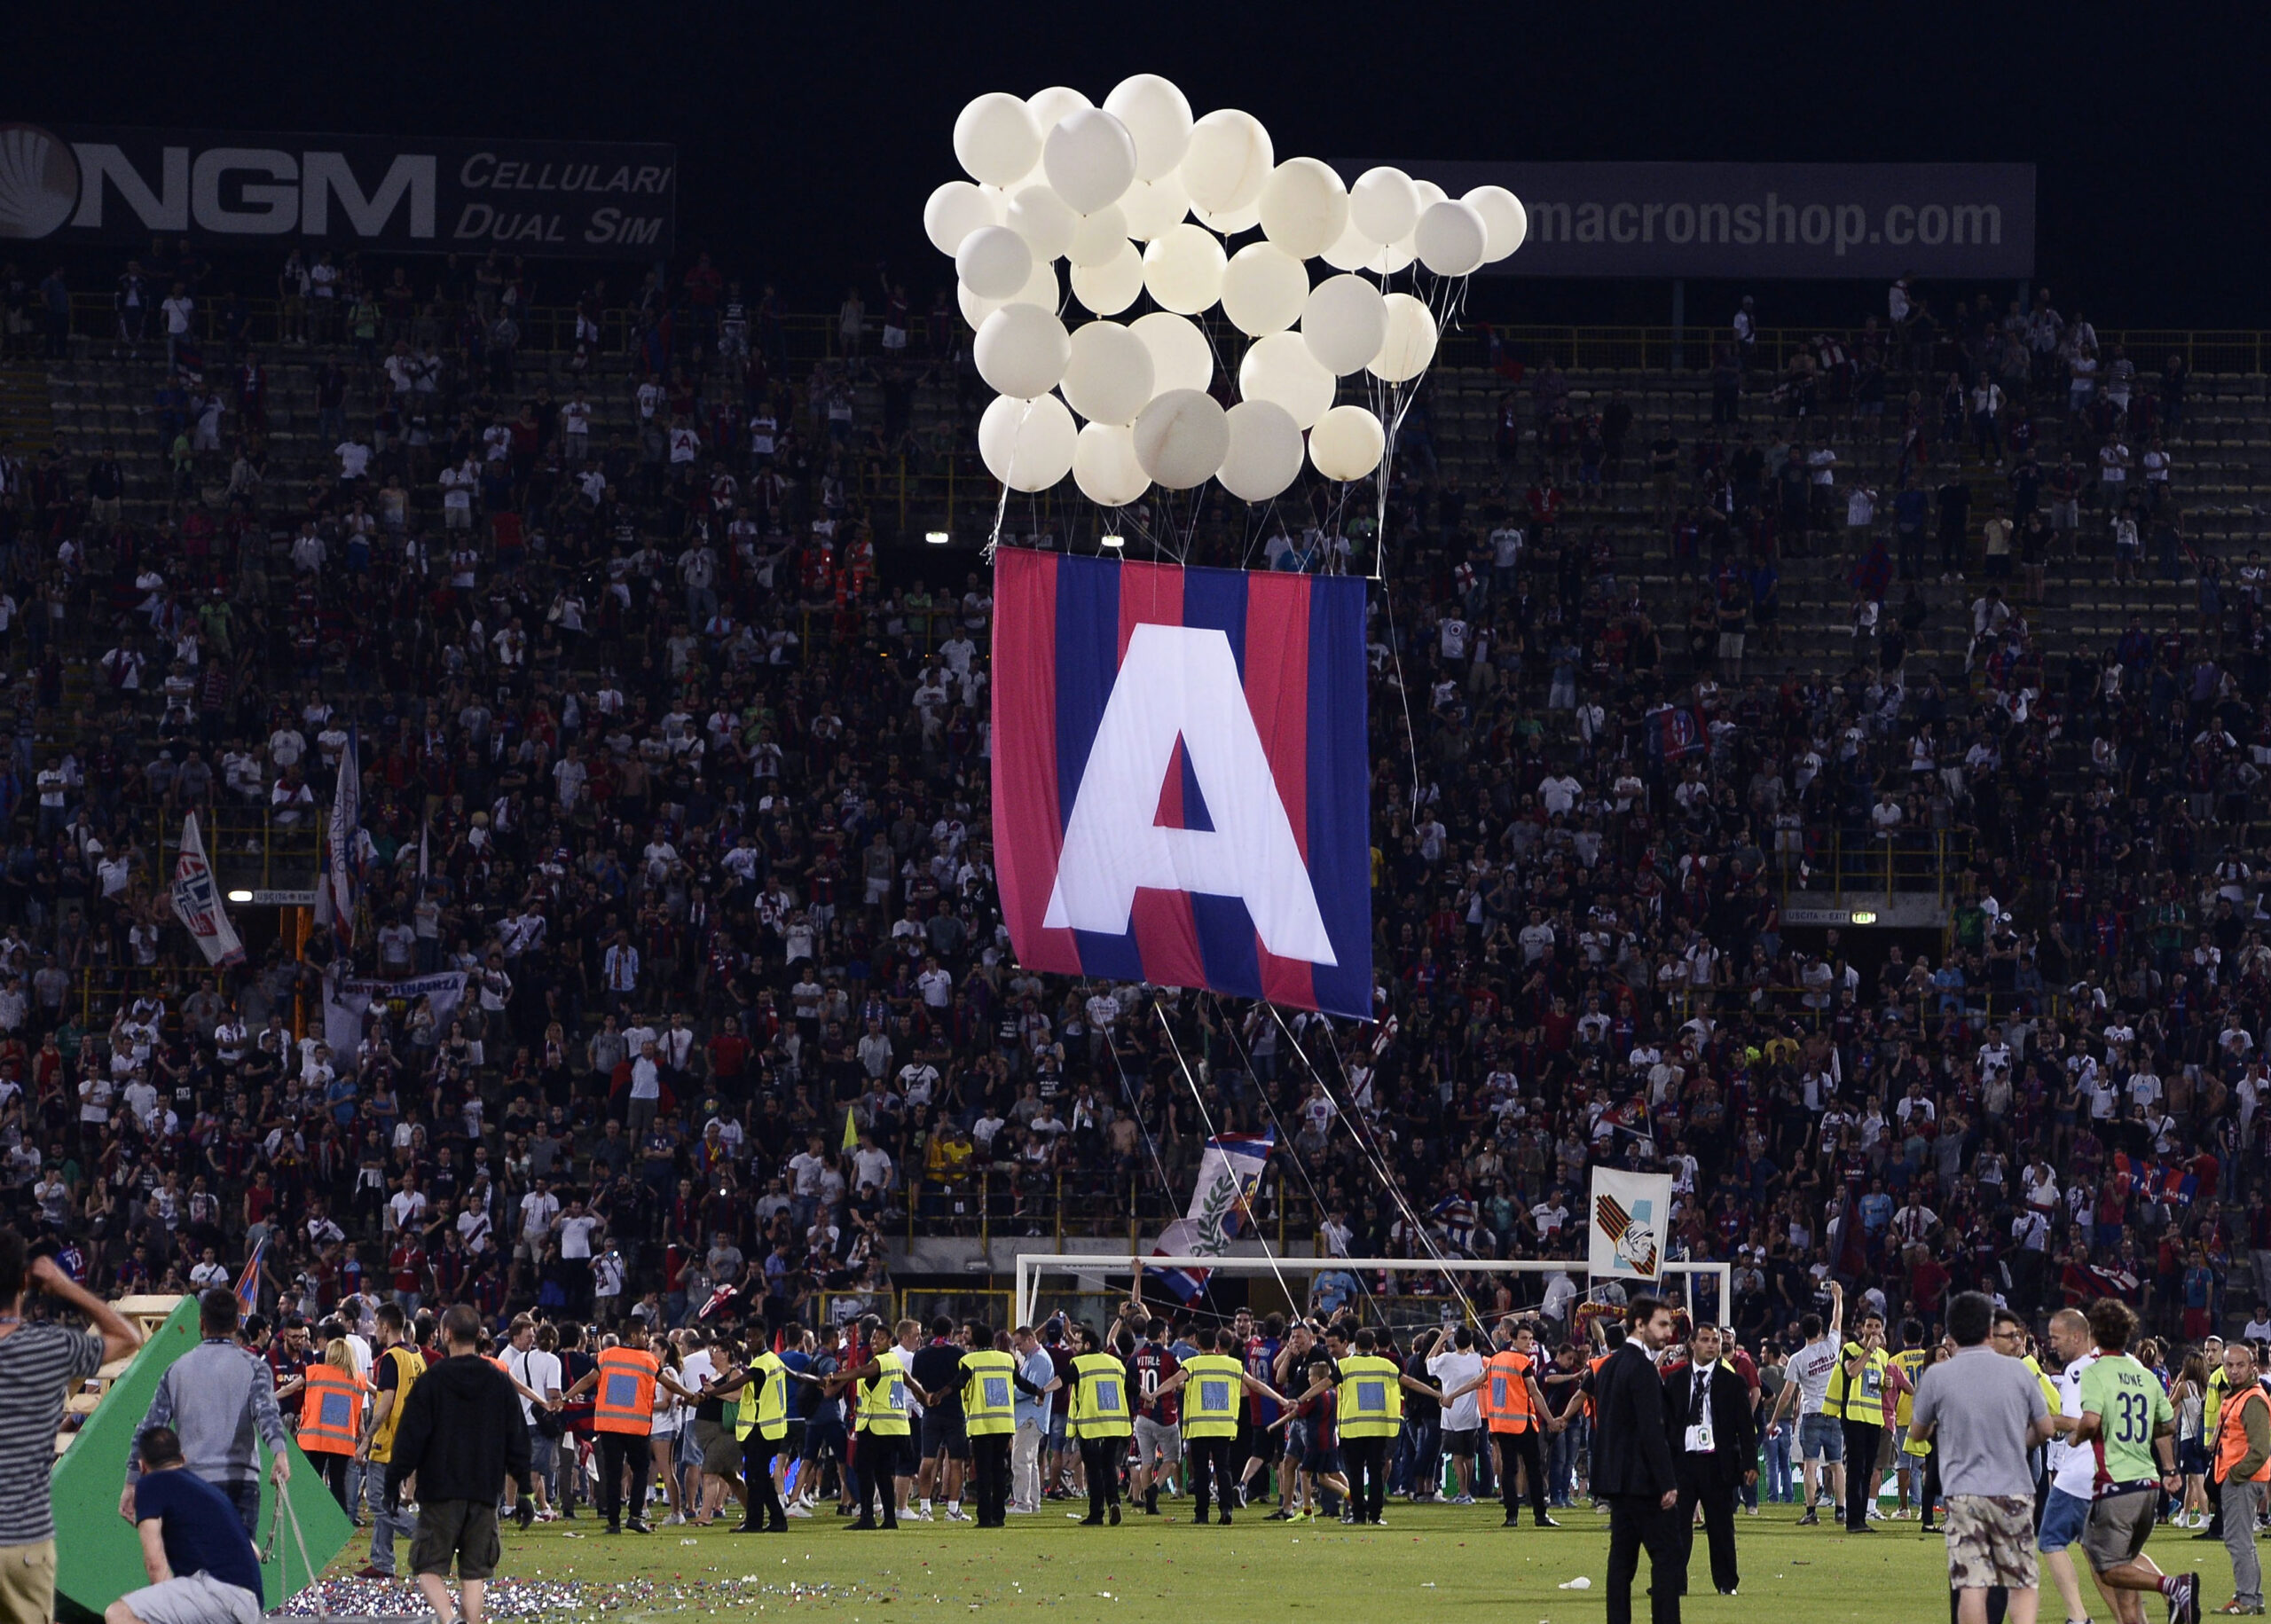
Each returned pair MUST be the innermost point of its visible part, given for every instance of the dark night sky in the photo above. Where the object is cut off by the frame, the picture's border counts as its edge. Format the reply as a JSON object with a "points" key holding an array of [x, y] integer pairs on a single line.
{"points": [[809, 134]]}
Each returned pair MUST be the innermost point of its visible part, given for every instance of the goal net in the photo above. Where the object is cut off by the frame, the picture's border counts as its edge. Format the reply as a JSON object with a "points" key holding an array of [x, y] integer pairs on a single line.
{"points": [[1399, 1293]]}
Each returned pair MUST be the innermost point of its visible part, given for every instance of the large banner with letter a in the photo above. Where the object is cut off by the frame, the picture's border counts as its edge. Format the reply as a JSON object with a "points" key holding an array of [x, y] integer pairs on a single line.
{"points": [[1179, 777]]}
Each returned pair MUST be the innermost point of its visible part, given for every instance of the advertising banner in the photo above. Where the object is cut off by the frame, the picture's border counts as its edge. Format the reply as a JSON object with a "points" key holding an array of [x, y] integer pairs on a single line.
{"points": [[567, 200], [1763, 221]]}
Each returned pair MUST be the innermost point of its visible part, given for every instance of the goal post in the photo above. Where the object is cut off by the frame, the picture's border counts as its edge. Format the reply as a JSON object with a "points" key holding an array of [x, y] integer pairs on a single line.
{"points": [[1686, 1277]]}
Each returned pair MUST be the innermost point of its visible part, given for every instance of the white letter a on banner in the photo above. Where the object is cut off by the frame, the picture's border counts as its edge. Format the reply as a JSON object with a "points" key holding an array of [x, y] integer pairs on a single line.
{"points": [[1183, 681]]}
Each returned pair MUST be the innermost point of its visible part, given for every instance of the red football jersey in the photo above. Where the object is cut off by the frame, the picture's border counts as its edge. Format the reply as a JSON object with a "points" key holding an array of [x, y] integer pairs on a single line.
{"points": [[1154, 1365]]}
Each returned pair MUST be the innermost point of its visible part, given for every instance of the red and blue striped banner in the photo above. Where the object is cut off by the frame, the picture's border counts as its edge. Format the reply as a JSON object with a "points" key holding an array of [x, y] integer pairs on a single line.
{"points": [[1180, 780]]}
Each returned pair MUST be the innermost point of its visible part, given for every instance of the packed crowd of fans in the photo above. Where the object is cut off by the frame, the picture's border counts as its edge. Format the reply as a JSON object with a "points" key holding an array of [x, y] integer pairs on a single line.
{"points": [[694, 788]]}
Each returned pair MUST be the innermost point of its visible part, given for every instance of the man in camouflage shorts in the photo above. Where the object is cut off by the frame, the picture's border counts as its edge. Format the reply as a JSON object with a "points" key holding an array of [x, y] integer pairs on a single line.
{"points": [[1991, 1542], [1981, 1411]]}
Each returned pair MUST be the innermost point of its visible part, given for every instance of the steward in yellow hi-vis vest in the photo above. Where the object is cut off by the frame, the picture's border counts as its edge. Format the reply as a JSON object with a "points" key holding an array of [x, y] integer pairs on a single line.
{"points": [[761, 1424], [1100, 1420], [987, 1380], [880, 1452], [1369, 1384], [1212, 1380]]}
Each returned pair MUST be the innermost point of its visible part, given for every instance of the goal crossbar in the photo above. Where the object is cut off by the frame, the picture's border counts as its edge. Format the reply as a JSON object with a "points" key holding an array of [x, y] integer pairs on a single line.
{"points": [[1032, 1265]]}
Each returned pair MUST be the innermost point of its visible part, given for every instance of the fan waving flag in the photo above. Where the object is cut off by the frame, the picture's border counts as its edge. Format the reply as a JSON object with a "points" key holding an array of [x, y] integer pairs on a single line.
{"points": [[343, 859], [1674, 731], [248, 1281], [197, 900], [1228, 1172], [1181, 778]]}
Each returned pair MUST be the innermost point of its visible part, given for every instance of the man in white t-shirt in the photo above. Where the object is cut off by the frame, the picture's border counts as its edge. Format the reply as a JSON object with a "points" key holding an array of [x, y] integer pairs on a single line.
{"points": [[539, 1372], [576, 429], [457, 485], [576, 1227], [178, 310], [1821, 1438], [539, 1208], [1505, 557], [2073, 1467], [1454, 1366]]}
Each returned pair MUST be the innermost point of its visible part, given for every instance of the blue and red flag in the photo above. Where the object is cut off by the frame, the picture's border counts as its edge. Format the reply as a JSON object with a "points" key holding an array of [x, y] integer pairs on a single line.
{"points": [[1674, 730], [1230, 1172], [1180, 782], [248, 1281]]}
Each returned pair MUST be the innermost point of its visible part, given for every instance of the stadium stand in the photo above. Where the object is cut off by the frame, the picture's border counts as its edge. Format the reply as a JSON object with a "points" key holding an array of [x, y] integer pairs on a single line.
{"points": [[673, 731]]}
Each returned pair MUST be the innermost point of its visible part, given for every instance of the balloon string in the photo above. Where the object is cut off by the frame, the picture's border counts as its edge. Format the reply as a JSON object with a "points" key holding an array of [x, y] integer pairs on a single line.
{"points": [[1353, 1115], [1207, 1121], [1002, 508]]}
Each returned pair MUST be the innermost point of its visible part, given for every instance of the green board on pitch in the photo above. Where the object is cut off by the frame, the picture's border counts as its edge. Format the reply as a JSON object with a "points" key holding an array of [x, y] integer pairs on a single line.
{"points": [[99, 1555]]}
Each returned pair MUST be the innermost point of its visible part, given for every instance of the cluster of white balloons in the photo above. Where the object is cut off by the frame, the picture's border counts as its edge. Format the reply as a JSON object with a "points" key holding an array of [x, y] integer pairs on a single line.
{"points": [[1053, 176]]}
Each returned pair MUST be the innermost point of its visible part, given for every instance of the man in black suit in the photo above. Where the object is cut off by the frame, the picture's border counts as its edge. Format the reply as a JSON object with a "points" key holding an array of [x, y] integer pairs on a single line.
{"points": [[1717, 1448], [1632, 1468]]}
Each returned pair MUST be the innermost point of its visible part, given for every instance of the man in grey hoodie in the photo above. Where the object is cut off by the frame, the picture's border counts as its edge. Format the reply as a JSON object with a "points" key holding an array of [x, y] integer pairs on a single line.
{"points": [[221, 1399]]}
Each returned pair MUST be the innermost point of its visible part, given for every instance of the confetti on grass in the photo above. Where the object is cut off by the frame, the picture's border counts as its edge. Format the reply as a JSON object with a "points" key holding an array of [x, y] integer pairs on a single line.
{"points": [[525, 1598]]}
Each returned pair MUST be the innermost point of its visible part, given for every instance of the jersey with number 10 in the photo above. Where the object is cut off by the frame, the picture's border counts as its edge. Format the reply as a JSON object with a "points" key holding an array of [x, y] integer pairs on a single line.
{"points": [[1153, 1365], [2130, 1407], [1260, 1354]]}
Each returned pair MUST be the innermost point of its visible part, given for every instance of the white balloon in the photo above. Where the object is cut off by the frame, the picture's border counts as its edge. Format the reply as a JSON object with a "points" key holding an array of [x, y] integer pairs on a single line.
{"points": [[1504, 220], [1304, 206], [994, 263], [1280, 368], [1040, 289], [1346, 443], [1264, 289], [1383, 204], [1021, 349], [1109, 378], [1228, 161], [975, 309], [1043, 219], [1182, 437], [1154, 207], [1265, 452], [1405, 250], [1229, 221], [1157, 115], [1090, 158], [1098, 237], [955, 210], [1026, 444], [1352, 250], [997, 139], [1181, 357], [1183, 269], [1344, 323], [1104, 465], [1050, 106], [1111, 288], [1411, 342], [1451, 239]]}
